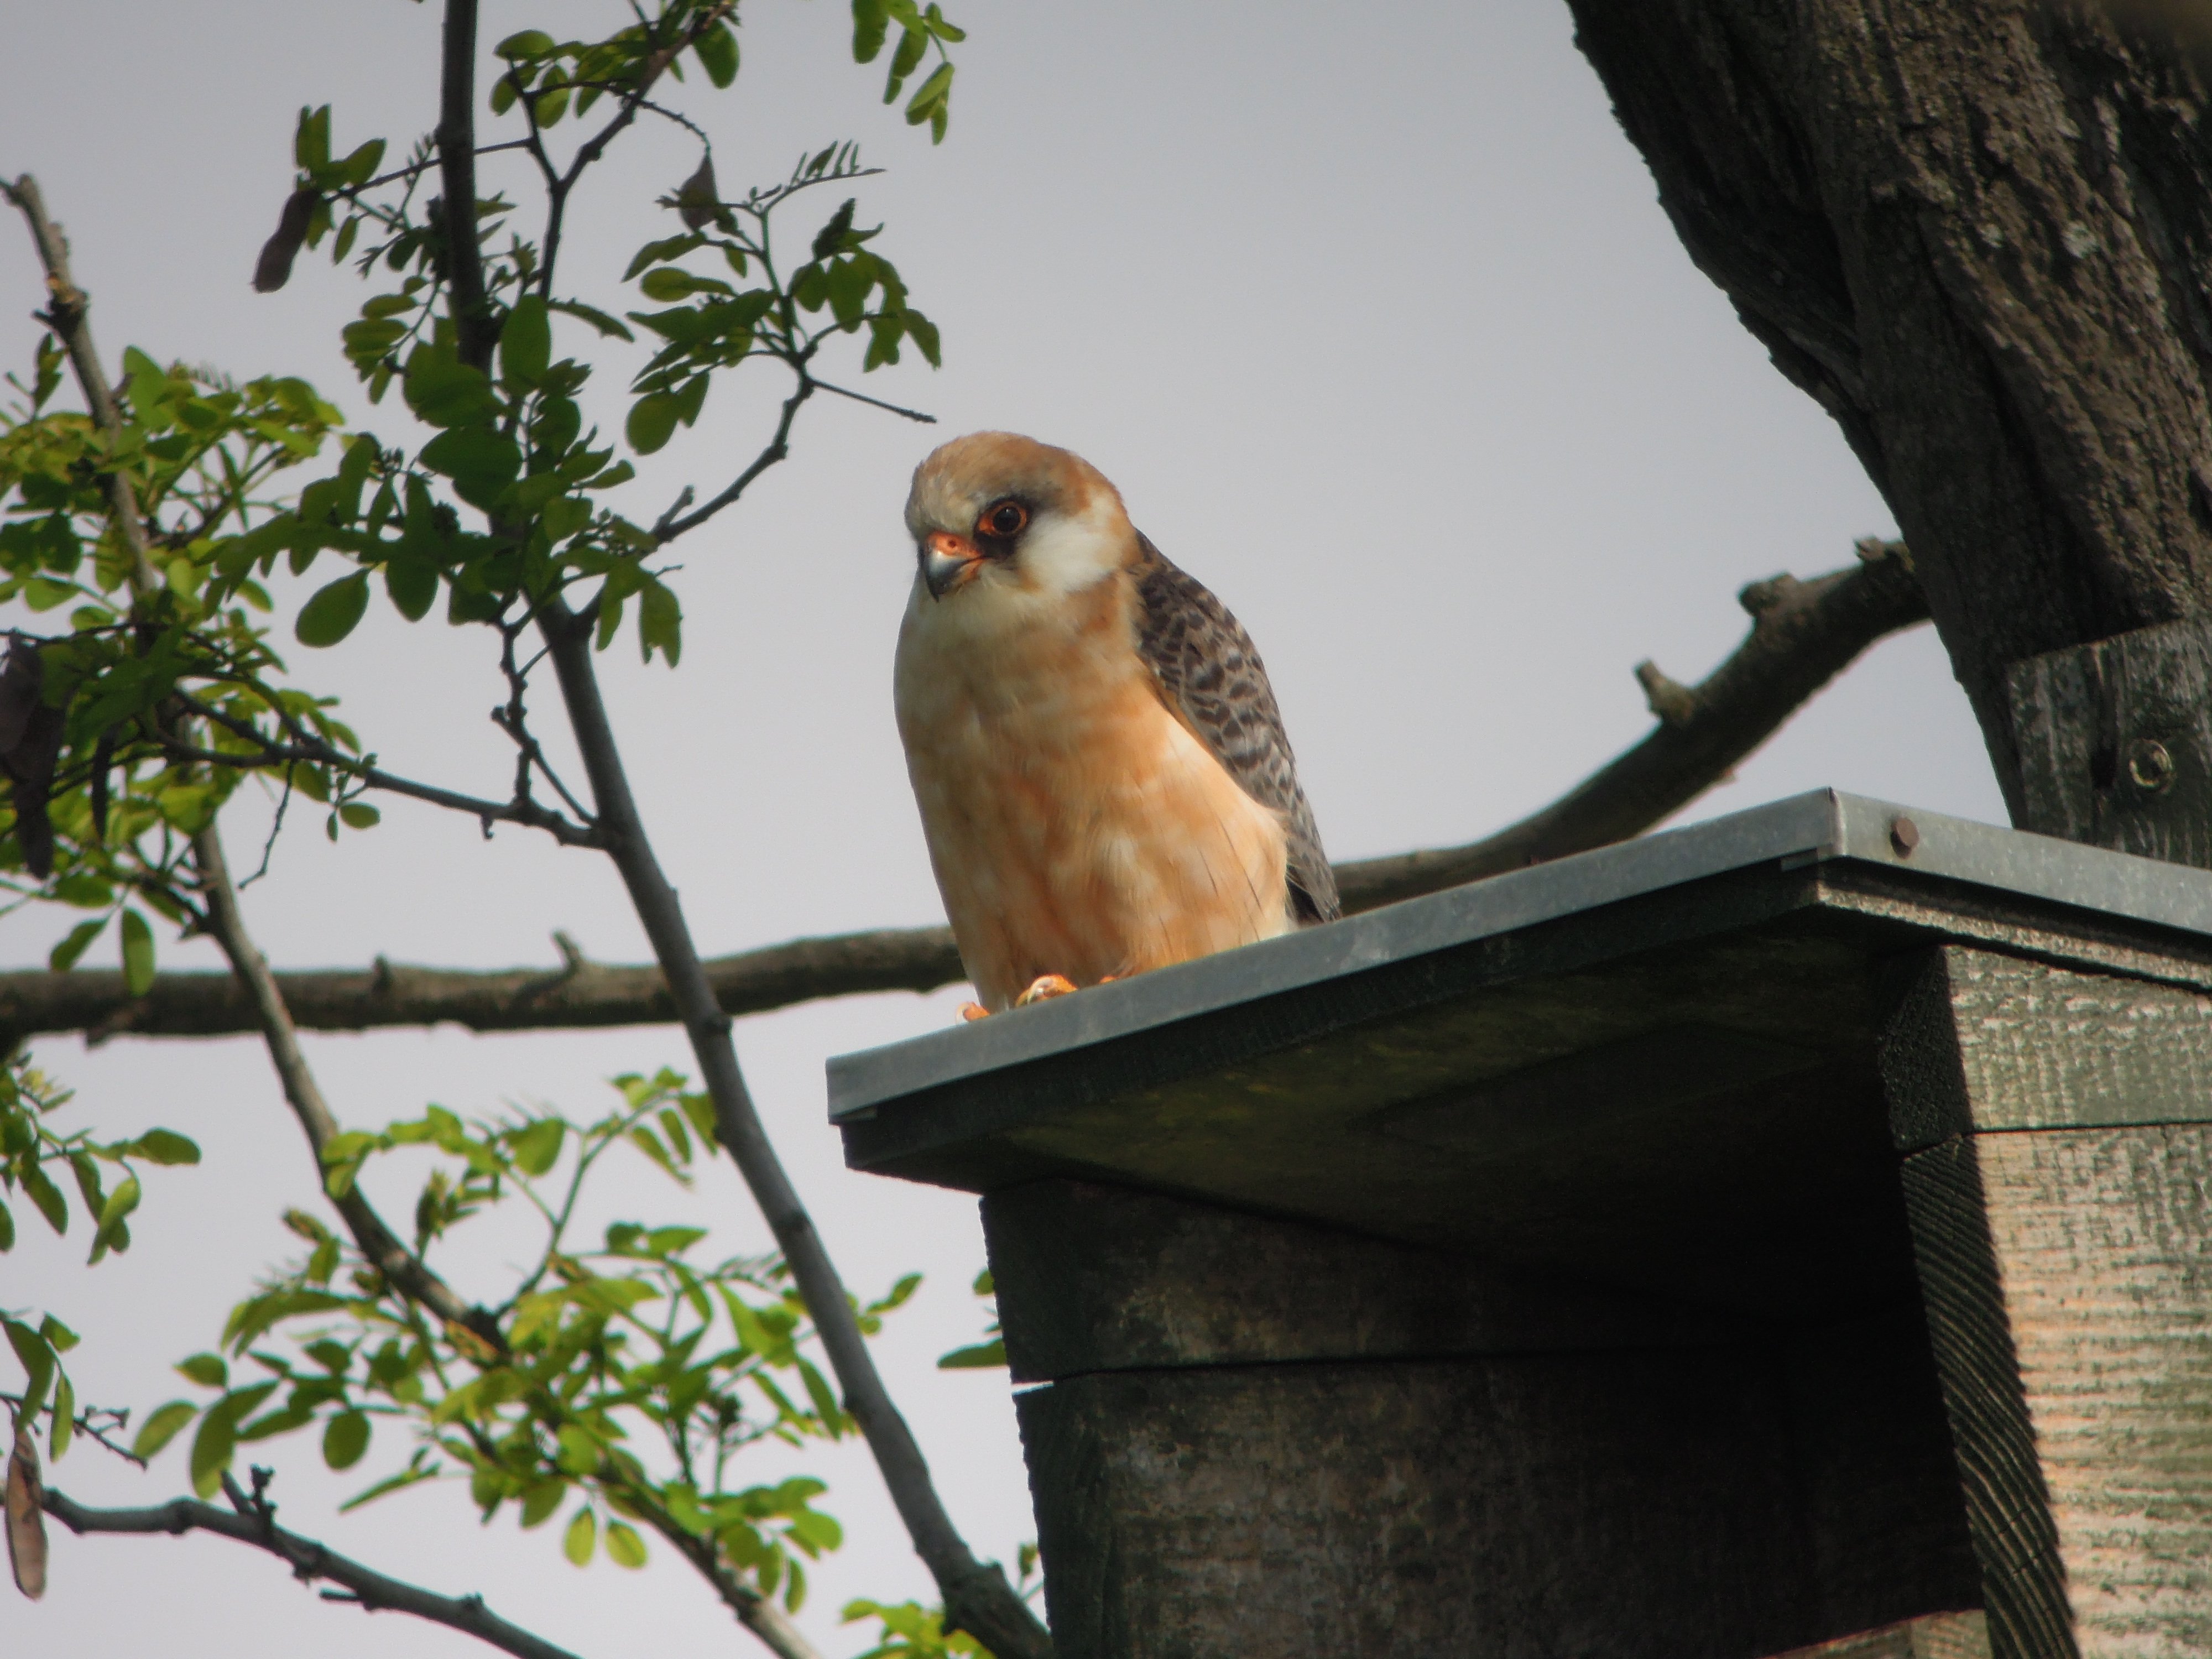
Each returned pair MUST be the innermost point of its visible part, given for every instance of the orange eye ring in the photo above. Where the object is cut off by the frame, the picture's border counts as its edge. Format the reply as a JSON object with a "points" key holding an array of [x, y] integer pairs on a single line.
{"points": [[1003, 520]]}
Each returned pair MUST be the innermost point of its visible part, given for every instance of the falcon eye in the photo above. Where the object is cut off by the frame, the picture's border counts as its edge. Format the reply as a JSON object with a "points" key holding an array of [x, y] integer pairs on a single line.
{"points": [[1003, 518]]}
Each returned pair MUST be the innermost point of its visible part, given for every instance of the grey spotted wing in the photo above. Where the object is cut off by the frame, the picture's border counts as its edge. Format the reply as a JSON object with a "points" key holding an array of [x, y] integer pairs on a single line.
{"points": [[1211, 677]]}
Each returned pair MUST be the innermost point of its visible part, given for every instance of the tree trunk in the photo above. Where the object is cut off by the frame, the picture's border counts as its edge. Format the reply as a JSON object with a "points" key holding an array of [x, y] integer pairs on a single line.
{"points": [[1979, 234]]}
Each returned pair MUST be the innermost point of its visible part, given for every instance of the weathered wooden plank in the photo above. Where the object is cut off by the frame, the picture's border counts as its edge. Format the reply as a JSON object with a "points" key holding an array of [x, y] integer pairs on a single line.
{"points": [[1093, 1278], [2067, 1276], [1637, 1507], [2114, 737], [2103, 1241], [1986, 1041], [1938, 1636], [1992, 1436]]}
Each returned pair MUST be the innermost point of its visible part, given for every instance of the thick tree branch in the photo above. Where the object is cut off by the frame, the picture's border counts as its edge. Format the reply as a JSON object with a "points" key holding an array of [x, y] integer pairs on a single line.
{"points": [[373, 1591], [1802, 634]]}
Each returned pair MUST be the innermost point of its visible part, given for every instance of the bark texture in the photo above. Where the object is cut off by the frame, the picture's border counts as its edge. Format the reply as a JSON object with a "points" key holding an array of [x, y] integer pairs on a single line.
{"points": [[1979, 234]]}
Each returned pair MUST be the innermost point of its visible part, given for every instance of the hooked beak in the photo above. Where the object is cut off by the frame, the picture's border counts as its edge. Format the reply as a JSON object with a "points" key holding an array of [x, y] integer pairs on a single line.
{"points": [[947, 560]]}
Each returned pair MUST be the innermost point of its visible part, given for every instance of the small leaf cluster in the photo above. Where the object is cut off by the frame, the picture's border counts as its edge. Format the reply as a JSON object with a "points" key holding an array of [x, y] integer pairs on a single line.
{"points": [[909, 1630], [553, 78], [32, 1150], [149, 697], [988, 1354], [31, 1147], [619, 1383], [921, 29]]}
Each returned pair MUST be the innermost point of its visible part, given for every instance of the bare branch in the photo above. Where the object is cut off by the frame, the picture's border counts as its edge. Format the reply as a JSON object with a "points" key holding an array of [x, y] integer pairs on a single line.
{"points": [[671, 525], [1802, 635], [1807, 633], [371, 1591], [404, 1269], [976, 1596]]}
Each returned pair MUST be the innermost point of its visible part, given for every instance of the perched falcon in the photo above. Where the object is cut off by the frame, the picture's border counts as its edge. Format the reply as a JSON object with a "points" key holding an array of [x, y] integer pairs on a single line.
{"points": [[1101, 767]]}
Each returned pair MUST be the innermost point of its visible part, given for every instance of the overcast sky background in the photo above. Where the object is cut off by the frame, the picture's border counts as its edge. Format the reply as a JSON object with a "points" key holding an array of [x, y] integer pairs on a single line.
{"points": [[1371, 314]]}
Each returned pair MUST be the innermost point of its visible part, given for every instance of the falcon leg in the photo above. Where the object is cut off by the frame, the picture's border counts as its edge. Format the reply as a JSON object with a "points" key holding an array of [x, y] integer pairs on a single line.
{"points": [[973, 1010], [1044, 986]]}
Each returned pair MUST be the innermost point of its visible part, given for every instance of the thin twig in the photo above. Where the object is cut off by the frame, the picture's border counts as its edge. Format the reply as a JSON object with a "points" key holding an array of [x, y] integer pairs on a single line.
{"points": [[373, 1591], [877, 403], [778, 448]]}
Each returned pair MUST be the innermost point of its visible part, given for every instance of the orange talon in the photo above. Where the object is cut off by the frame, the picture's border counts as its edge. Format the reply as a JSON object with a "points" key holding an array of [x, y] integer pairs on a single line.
{"points": [[973, 1010], [1044, 986]]}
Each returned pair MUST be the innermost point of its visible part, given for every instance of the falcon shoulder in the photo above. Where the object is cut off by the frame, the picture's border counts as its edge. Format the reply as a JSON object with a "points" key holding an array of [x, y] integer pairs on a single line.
{"points": [[1210, 677]]}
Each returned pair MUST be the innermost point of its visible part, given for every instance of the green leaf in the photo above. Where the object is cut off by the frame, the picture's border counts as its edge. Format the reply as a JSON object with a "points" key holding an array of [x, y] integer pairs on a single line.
{"points": [[208, 1370], [583, 1534], [523, 45], [63, 957], [137, 954], [7, 1229], [112, 1235], [718, 54], [36, 1355], [984, 1355], [162, 1426], [480, 461], [48, 1197], [64, 1415], [653, 422], [599, 320], [832, 237], [360, 815], [446, 391], [625, 1547], [871, 23], [825, 1403], [412, 585], [539, 1502], [930, 96], [165, 1147], [659, 622], [345, 1437], [311, 142], [538, 1148], [525, 343], [334, 612], [360, 166]]}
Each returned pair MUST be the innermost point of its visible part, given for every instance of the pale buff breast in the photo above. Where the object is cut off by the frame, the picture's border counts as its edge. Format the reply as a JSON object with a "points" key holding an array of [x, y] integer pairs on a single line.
{"points": [[1075, 826]]}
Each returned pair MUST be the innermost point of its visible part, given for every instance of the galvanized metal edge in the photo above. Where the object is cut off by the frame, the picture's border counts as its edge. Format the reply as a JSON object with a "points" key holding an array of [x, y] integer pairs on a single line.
{"points": [[1821, 824]]}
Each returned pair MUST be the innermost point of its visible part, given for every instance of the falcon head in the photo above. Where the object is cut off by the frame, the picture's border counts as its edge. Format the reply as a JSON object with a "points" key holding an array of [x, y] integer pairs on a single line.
{"points": [[997, 511]]}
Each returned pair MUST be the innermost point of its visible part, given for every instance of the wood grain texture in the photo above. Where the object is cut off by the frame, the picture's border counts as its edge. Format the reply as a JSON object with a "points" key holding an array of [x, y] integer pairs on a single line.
{"points": [[1985, 1041], [1093, 1278], [1993, 1439], [2102, 1240], [2114, 739], [1640, 1510], [1938, 1636]]}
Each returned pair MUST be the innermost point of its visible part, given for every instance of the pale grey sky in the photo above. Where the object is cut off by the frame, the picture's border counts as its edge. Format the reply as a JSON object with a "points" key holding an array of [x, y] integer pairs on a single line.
{"points": [[1371, 315]]}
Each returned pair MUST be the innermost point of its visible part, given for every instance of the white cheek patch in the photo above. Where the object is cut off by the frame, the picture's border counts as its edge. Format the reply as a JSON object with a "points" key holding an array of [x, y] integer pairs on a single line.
{"points": [[1066, 555]]}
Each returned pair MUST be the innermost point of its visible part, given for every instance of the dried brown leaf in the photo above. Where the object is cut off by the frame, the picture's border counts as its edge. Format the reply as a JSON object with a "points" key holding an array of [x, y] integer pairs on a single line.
{"points": [[27, 1518]]}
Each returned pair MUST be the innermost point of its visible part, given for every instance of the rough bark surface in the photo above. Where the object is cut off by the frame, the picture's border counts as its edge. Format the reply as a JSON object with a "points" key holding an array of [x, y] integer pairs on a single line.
{"points": [[1979, 234]]}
